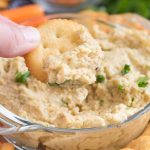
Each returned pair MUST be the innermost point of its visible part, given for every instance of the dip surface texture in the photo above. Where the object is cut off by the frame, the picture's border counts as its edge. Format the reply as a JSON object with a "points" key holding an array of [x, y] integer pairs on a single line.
{"points": [[121, 88]]}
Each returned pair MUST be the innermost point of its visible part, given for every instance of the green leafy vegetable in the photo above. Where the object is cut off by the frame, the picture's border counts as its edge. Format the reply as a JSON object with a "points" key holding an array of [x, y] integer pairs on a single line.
{"points": [[100, 78], [22, 77], [126, 69], [142, 81]]}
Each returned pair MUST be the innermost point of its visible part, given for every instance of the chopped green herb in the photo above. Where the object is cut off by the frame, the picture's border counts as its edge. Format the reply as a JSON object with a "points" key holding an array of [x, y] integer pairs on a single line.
{"points": [[53, 84], [106, 23], [125, 69], [64, 103], [22, 77], [101, 102], [66, 82], [132, 100], [142, 81], [120, 88], [56, 84], [100, 78]]}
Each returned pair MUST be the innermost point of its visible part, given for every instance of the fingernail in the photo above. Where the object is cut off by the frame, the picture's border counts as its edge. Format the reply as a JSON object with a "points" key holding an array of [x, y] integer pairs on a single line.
{"points": [[31, 35]]}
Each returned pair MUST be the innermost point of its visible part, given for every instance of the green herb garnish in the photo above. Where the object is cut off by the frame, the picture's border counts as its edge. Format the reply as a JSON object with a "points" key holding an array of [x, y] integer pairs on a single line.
{"points": [[142, 81], [120, 88], [100, 78], [56, 84], [22, 77], [106, 23], [125, 69], [65, 103], [132, 100], [101, 102], [53, 84]]}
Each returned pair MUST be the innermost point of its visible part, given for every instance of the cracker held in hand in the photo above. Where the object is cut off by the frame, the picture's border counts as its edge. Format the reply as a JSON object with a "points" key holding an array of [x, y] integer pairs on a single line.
{"points": [[67, 53]]}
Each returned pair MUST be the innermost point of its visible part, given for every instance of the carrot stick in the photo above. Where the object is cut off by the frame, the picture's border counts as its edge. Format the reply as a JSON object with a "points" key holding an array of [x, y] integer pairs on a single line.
{"points": [[23, 13], [35, 21], [66, 2]]}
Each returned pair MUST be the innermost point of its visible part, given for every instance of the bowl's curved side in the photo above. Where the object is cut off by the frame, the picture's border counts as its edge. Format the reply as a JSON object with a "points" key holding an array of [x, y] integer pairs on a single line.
{"points": [[110, 138]]}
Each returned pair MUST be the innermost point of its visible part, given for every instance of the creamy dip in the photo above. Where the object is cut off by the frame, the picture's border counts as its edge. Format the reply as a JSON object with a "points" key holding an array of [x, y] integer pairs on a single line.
{"points": [[122, 87]]}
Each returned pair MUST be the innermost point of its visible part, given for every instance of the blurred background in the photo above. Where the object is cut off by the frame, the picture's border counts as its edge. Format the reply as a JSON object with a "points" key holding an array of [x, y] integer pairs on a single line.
{"points": [[141, 7]]}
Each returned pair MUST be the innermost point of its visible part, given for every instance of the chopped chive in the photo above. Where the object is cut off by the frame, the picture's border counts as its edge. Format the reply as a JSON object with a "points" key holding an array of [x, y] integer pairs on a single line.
{"points": [[22, 77], [106, 23], [126, 69], [120, 88], [66, 82], [101, 102], [100, 78], [56, 84], [142, 81], [132, 100], [53, 84], [64, 103]]}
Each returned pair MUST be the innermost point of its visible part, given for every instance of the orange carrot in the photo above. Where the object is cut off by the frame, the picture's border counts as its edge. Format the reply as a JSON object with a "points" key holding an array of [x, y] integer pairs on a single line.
{"points": [[23, 13], [66, 2], [35, 21]]}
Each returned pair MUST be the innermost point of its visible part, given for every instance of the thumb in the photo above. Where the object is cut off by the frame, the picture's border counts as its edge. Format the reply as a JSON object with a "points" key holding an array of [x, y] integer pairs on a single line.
{"points": [[16, 40]]}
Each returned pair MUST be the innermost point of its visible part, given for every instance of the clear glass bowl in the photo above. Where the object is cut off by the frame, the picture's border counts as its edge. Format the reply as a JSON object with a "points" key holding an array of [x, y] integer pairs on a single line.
{"points": [[27, 135]]}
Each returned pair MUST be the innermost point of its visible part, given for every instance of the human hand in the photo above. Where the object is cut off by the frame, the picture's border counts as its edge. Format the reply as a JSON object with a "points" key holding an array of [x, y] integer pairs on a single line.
{"points": [[16, 40]]}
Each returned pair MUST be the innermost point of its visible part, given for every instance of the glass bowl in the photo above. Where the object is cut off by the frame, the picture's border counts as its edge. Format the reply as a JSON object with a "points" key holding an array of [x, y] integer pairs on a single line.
{"points": [[26, 135]]}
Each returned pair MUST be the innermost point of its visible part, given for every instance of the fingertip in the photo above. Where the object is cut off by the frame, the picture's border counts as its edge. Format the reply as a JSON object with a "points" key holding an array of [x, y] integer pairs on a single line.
{"points": [[17, 40], [31, 35]]}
